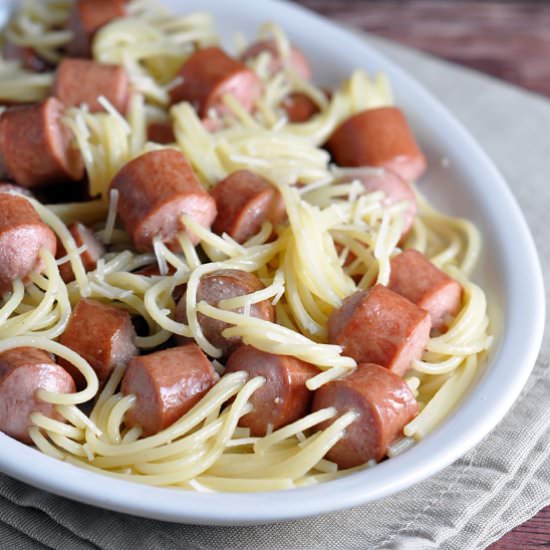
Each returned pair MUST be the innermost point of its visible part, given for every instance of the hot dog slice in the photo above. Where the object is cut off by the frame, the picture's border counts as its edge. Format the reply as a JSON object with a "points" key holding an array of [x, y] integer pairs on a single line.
{"points": [[36, 146], [378, 137], [167, 384], [220, 285], [23, 371], [380, 326], [155, 190], [295, 61], [395, 188], [299, 107], [86, 18], [102, 334], [417, 279], [208, 75], [22, 235], [284, 397], [80, 81], [244, 201], [7, 187], [94, 250], [384, 403], [27, 56]]}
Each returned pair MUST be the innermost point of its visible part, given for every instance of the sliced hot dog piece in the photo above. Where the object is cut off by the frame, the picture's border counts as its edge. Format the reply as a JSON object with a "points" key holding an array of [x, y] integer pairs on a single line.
{"points": [[378, 137], [155, 190], [23, 371], [102, 334], [384, 403], [380, 326], [220, 285], [284, 397], [80, 81], [36, 146], [161, 132], [167, 384], [295, 61], [299, 107], [417, 279], [22, 235], [394, 187], [94, 250], [244, 201], [86, 18], [208, 75], [7, 187], [27, 56]]}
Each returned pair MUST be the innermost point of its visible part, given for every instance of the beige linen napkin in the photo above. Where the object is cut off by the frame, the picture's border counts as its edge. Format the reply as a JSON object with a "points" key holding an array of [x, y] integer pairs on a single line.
{"points": [[501, 483]]}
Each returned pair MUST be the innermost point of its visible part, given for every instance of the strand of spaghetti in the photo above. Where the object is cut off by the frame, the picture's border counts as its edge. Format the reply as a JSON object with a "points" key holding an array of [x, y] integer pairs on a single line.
{"points": [[77, 418], [13, 301], [228, 386], [55, 426], [441, 367], [44, 445], [291, 429], [85, 212], [269, 291], [116, 417], [70, 356], [301, 463], [443, 402], [295, 344], [107, 391], [179, 447]]}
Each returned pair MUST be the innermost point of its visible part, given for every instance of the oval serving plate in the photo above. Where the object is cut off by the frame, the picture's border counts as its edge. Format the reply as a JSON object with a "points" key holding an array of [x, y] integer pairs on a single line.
{"points": [[468, 185]]}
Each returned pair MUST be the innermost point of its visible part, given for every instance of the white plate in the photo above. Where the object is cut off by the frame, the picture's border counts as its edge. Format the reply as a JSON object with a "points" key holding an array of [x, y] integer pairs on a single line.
{"points": [[509, 271]]}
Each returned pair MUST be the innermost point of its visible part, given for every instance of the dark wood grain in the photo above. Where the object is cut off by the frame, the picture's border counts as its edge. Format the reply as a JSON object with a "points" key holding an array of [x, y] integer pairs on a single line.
{"points": [[509, 40]]}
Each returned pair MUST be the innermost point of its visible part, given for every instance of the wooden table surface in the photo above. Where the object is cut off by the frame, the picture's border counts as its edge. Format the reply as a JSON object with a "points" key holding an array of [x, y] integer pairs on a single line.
{"points": [[509, 40]]}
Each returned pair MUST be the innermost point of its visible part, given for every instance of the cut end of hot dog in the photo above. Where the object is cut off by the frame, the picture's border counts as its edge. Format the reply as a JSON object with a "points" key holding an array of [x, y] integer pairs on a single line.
{"points": [[22, 235], [384, 404], [167, 384], [284, 397], [417, 279], [221, 285], [155, 190], [378, 137], [23, 371], [380, 326]]}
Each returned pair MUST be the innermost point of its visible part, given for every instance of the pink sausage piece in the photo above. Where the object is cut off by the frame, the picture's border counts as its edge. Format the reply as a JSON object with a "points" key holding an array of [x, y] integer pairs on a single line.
{"points": [[101, 334], [80, 81], [384, 403], [86, 18], [155, 190], [395, 188], [417, 279], [296, 60], [22, 235], [208, 75], [221, 285], [94, 250], [284, 397], [167, 384], [245, 200], [22, 372], [378, 137], [380, 326], [36, 146]]}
